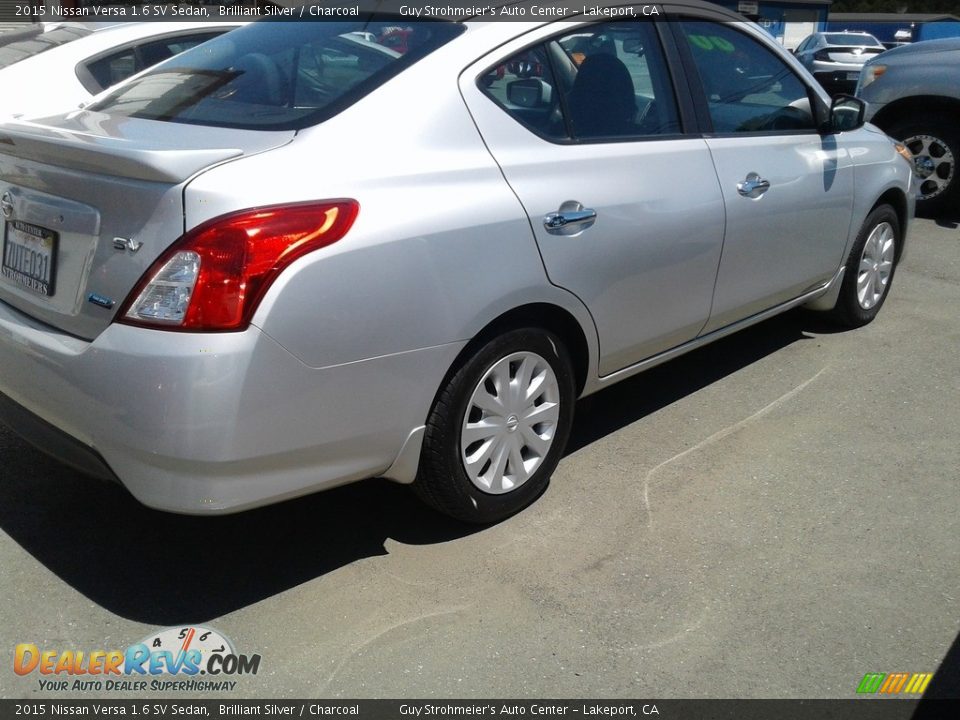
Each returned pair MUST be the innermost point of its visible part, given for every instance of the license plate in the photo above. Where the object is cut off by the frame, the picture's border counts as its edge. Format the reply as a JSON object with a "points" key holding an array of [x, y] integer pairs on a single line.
{"points": [[853, 76], [30, 256]]}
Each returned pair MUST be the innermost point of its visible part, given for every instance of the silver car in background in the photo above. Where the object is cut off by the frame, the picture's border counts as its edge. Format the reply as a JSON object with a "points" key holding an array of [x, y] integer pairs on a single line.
{"points": [[836, 58], [294, 257], [61, 69]]}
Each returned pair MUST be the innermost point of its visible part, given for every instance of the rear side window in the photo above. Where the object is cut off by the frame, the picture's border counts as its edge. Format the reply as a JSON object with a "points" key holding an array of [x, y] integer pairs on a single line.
{"points": [[118, 66], [853, 40], [277, 75]]}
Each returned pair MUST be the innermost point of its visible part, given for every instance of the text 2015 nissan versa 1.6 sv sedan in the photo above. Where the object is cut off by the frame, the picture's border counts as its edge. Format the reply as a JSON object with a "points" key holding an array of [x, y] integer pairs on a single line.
{"points": [[303, 254]]}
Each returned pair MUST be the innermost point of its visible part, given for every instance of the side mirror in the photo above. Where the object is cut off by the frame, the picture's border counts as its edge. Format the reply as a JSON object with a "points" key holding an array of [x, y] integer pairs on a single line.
{"points": [[529, 93], [847, 113]]}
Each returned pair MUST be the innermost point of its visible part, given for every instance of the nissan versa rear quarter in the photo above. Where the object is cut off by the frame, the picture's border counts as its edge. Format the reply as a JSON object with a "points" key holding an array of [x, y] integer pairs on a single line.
{"points": [[300, 255]]}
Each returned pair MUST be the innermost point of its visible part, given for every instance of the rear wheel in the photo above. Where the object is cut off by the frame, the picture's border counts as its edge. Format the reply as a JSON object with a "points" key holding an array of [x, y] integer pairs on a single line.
{"points": [[870, 268], [498, 428], [935, 144]]}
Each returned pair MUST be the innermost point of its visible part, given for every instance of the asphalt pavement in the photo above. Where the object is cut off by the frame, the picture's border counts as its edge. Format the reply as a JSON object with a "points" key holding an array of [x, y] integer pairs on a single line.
{"points": [[772, 516]]}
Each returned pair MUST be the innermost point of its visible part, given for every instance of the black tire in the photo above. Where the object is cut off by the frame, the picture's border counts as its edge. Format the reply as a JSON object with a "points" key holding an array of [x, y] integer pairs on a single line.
{"points": [[935, 143], [851, 310], [443, 481]]}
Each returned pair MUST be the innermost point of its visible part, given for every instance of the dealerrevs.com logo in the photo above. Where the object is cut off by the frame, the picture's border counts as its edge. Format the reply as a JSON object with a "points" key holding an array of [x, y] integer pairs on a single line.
{"points": [[171, 659]]}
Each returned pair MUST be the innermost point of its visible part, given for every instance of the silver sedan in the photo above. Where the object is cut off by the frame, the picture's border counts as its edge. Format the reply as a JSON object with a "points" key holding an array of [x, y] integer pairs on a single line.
{"points": [[308, 253]]}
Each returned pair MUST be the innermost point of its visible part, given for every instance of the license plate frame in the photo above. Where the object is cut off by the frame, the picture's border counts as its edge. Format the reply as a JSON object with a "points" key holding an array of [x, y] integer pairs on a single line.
{"points": [[29, 257]]}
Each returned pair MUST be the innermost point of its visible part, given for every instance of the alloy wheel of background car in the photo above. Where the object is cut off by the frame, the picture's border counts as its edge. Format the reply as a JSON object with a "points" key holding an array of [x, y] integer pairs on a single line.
{"points": [[498, 427], [870, 268], [935, 146]]}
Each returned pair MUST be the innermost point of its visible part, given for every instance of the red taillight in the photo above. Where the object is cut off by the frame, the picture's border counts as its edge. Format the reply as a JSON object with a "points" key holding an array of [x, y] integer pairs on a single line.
{"points": [[213, 278]]}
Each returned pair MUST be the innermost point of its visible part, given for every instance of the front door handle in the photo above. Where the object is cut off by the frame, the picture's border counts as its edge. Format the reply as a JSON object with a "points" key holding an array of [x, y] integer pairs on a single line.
{"points": [[753, 186], [571, 218]]}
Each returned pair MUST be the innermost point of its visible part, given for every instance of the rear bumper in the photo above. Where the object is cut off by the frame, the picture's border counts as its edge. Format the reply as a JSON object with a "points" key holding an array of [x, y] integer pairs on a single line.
{"points": [[838, 81], [197, 424], [53, 441]]}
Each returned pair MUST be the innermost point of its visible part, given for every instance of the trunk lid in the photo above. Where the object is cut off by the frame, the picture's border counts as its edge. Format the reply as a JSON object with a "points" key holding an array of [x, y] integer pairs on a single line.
{"points": [[89, 201], [851, 55]]}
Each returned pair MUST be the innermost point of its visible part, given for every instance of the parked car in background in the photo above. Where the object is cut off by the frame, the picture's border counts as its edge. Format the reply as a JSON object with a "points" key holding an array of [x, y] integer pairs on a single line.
{"points": [[36, 38], [835, 58], [913, 93], [42, 73], [287, 259]]}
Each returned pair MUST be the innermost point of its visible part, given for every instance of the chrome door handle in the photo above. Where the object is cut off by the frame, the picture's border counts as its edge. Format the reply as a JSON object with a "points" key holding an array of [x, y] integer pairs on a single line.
{"points": [[569, 219], [753, 186], [559, 219]]}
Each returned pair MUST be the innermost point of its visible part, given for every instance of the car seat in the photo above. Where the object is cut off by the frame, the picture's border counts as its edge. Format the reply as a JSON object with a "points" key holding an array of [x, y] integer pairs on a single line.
{"points": [[602, 100]]}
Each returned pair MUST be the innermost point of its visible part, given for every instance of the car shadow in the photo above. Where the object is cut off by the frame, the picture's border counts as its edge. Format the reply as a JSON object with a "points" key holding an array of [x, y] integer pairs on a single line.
{"points": [[164, 569], [945, 686], [629, 400], [946, 219]]}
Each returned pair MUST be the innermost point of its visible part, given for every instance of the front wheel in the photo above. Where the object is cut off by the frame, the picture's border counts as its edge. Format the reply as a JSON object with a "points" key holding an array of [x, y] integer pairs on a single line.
{"points": [[870, 268], [498, 428]]}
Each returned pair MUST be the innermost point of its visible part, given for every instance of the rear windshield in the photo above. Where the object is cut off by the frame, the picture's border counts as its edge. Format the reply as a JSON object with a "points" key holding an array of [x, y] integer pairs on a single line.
{"points": [[277, 75], [34, 42], [853, 39]]}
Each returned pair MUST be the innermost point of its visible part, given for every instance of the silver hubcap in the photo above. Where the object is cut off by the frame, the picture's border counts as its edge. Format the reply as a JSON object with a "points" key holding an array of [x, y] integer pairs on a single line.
{"points": [[933, 164], [510, 423], [876, 264]]}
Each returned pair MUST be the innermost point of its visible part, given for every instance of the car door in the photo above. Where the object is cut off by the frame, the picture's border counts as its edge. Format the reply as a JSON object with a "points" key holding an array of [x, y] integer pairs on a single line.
{"points": [[588, 128], [788, 191]]}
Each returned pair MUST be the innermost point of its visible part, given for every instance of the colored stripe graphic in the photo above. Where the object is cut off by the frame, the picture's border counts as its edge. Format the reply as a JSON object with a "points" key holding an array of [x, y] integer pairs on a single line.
{"points": [[918, 683], [871, 682], [895, 683]]}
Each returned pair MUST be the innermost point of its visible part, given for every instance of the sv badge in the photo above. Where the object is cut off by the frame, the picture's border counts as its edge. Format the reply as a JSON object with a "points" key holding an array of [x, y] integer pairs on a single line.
{"points": [[130, 244]]}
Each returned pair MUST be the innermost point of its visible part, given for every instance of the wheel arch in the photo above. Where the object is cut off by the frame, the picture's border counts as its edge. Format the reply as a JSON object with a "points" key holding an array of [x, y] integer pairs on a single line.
{"points": [[895, 198], [914, 106], [547, 316]]}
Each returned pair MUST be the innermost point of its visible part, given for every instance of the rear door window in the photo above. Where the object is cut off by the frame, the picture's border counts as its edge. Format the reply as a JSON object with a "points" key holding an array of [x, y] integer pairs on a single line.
{"points": [[603, 81]]}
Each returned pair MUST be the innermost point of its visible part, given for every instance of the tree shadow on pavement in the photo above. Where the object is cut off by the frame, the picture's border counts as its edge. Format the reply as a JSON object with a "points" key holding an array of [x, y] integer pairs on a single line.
{"points": [[164, 569]]}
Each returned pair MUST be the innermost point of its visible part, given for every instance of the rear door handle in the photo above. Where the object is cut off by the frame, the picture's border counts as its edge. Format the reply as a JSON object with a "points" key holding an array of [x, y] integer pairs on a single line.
{"points": [[753, 186], [571, 218]]}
